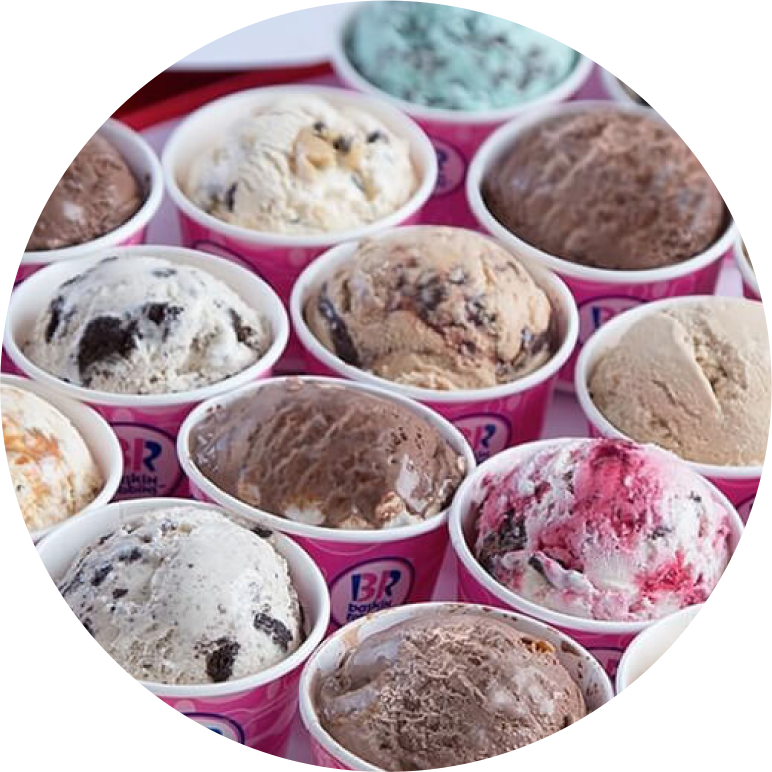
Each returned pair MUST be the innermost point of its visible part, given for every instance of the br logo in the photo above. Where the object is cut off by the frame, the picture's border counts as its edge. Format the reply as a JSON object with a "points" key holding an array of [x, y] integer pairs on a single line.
{"points": [[487, 434], [150, 465], [451, 167], [370, 586], [188, 742], [594, 313]]}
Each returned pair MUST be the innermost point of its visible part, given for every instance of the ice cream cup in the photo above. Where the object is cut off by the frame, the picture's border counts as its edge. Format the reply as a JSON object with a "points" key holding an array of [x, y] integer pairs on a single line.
{"points": [[750, 282], [242, 724], [327, 752], [365, 570], [491, 418], [456, 134], [646, 753], [146, 425], [96, 432], [16, 266], [624, 38], [600, 293]]}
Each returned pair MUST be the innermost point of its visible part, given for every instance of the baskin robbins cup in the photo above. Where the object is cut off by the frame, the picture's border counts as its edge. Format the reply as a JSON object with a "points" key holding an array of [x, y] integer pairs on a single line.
{"points": [[600, 293], [750, 282], [455, 134], [146, 425], [624, 38], [365, 570], [16, 266], [241, 724], [327, 752], [646, 753], [95, 431], [492, 418]]}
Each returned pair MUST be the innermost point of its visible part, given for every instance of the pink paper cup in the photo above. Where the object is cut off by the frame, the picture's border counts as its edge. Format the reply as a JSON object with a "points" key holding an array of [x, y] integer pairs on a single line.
{"points": [[365, 570], [600, 293], [491, 419], [146, 425], [242, 724], [327, 752], [455, 134], [750, 282], [97, 434], [624, 38], [16, 266], [646, 753]]}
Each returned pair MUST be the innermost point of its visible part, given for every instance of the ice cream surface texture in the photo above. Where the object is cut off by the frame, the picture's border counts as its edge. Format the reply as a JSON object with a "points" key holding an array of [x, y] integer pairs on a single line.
{"points": [[453, 58], [300, 165], [709, 700], [693, 378], [53, 472], [446, 688], [709, 63], [61, 183], [606, 188], [146, 325], [324, 454], [434, 307], [603, 529], [186, 596]]}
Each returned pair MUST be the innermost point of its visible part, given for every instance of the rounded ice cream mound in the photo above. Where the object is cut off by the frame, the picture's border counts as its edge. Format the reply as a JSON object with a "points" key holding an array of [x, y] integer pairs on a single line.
{"points": [[53, 472], [606, 188], [438, 308], [327, 455], [61, 183], [145, 325], [445, 689], [302, 166], [709, 700], [603, 529], [186, 596], [453, 58], [709, 64]]}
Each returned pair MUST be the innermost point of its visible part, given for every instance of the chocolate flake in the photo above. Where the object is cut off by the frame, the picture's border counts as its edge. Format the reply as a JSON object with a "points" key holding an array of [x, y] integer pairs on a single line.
{"points": [[119, 592], [341, 339], [101, 574], [244, 333], [280, 634]]}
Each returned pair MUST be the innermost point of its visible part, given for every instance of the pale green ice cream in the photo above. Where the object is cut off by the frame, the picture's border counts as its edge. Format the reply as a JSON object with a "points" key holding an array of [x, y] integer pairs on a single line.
{"points": [[452, 58]]}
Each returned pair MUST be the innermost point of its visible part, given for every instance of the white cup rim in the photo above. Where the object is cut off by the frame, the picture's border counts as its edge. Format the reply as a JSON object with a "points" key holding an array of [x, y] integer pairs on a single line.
{"points": [[616, 43], [308, 712], [350, 75], [408, 130], [743, 265], [502, 139], [116, 132], [272, 310], [602, 338], [297, 558], [459, 513], [353, 536], [326, 263]]}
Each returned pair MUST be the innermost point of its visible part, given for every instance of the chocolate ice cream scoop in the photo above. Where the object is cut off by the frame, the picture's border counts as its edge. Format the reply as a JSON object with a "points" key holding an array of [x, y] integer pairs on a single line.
{"points": [[606, 188], [61, 183], [325, 454], [446, 688], [439, 308]]}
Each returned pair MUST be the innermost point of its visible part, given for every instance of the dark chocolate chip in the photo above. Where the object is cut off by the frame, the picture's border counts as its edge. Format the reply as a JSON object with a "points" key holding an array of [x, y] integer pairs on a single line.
{"points": [[131, 555], [220, 660], [319, 126], [477, 313], [279, 632], [105, 338], [119, 592], [244, 333], [163, 273], [55, 310], [101, 574], [375, 136], [159, 313], [263, 533], [341, 339], [230, 196], [537, 565], [342, 144], [432, 292]]}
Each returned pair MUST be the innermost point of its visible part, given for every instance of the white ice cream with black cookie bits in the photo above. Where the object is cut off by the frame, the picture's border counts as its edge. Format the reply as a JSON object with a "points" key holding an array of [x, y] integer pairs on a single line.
{"points": [[186, 596], [146, 325]]}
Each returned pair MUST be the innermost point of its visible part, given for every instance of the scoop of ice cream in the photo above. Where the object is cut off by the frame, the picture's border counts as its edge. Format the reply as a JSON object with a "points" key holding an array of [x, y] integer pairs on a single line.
{"points": [[52, 470], [694, 379], [603, 529], [446, 688], [606, 188], [328, 455], [453, 58], [709, 63], [61, 183], [145, 325], [440, 308], [709, 700], [300, 165], [186, 596]]}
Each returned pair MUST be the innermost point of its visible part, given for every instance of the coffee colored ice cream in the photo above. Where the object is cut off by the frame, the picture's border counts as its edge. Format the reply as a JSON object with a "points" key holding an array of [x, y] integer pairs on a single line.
{"points": [[606, 188]]}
